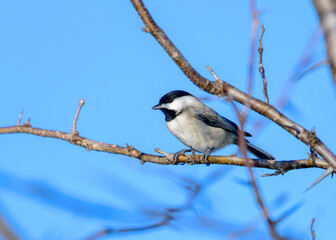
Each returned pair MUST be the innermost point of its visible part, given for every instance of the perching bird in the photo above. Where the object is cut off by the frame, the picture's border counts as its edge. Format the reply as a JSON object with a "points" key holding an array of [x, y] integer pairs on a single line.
{"points": [[199, 127]]}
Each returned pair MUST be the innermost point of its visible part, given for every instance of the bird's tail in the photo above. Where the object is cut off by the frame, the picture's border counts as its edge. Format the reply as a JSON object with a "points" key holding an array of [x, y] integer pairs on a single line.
{"points": [[259, 153]]}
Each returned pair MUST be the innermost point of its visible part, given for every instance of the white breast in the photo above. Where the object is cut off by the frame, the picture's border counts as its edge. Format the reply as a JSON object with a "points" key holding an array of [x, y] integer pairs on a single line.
{"points": [[194, 133]]}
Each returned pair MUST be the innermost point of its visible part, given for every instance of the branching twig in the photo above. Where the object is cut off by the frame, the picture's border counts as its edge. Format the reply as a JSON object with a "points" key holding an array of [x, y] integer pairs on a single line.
{"points": [[261, 67], [221, 89], [302, 69]]}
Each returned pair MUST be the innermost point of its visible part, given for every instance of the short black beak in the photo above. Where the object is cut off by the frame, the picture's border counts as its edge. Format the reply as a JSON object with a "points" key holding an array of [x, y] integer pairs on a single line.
{"points": [[156, 107]]}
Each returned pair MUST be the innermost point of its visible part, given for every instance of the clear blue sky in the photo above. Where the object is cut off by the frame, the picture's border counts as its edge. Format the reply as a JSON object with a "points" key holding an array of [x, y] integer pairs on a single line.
{"points": [[53, 53]]}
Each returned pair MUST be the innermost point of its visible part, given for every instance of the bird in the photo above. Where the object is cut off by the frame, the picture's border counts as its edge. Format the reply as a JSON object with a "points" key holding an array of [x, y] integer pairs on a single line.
{"points": [[199, 127]]}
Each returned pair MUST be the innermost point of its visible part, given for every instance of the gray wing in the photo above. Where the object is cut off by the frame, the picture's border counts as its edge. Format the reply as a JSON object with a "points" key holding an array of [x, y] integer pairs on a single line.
{"points": [[236, 127], [213, 119]]}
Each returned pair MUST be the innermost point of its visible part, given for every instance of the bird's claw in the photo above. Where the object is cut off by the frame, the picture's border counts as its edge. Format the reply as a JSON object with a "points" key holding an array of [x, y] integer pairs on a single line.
{"points": [[206, 156], [177, 154], [206, 160]]}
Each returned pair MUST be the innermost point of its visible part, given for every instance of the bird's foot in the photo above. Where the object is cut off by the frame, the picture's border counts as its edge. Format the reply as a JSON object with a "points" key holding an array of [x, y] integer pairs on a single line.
{"points": [[177, 154], [207, 154]]}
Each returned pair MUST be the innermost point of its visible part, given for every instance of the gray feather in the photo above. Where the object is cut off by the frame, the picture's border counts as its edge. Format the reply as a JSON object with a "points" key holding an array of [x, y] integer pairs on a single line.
{"points": [[211, 118]]}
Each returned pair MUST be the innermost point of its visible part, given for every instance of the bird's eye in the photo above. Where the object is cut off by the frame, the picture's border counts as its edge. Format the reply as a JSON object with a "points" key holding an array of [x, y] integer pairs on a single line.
{"points": [[169, 100]]}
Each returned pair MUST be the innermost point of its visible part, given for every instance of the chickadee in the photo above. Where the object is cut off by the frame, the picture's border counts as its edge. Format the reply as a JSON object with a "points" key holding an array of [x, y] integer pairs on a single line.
{"points": [[199, 127]]}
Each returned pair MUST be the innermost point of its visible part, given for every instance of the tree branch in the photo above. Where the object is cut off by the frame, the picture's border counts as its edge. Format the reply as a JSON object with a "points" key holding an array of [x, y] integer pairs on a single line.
{"points": [[280, 166], [223, 89]]}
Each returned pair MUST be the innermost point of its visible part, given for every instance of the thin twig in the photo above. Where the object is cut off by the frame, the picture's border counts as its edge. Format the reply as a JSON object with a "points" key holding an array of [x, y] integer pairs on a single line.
{"points": [[20, 117], [301, 69], [81, 103], [261, 66], [108, 231], [254, 26], [311, 68], [288, 212], [271, 224], [243, 148], [312, 230], [213, 73]]}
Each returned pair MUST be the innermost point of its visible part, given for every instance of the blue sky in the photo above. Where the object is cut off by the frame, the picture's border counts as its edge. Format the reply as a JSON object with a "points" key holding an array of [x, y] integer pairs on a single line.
{"points": [[53, 53]]}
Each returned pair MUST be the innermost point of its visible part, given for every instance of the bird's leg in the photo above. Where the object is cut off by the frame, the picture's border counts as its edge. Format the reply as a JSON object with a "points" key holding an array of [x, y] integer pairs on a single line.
{"points": [[207, 154], [177, 154]]}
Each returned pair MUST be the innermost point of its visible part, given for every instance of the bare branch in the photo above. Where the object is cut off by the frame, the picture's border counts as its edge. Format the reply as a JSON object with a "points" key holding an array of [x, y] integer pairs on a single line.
{"points": [[221, 89], [243, 149], [271, 224], [302, 69], [81, 103], [312, 230], [255, 24], [261, 66], [143, 157]]}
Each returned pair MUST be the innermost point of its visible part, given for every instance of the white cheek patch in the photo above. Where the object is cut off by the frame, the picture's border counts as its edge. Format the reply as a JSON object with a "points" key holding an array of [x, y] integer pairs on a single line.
{"points": [[179, 103]]}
